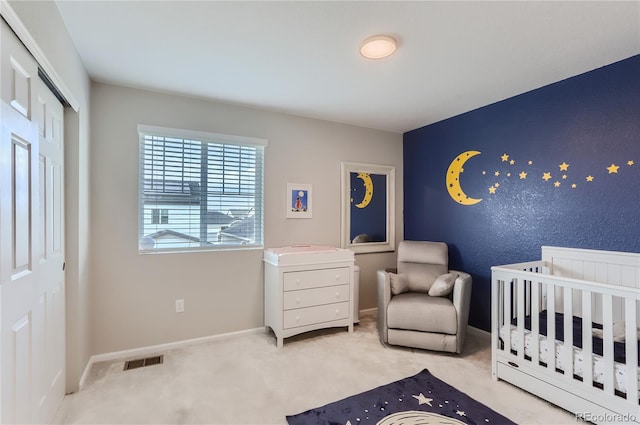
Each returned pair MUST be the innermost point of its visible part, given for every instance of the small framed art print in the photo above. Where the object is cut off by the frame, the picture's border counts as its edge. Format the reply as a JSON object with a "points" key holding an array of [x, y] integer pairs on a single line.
{"points": [[299, 200]]}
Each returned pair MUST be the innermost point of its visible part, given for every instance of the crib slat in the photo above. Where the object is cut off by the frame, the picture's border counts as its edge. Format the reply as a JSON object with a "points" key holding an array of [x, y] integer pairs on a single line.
{"points": [[551, 326], [631, 352], [496, 319], [521, 293], [535, 322], [587, 341], [607, 341], [506, 302], [567, 346]]}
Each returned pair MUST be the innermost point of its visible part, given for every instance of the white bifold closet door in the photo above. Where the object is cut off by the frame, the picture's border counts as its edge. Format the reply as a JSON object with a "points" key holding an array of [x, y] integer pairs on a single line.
{"points": [[32, 287]]}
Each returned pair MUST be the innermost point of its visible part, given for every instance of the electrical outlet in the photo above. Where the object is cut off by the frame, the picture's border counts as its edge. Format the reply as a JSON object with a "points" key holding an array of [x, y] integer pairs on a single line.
{"points": [[179, 306]]}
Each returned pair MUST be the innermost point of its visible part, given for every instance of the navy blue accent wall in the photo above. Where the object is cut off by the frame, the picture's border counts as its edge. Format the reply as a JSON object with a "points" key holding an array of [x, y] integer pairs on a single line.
{"points": [[558, 166]]}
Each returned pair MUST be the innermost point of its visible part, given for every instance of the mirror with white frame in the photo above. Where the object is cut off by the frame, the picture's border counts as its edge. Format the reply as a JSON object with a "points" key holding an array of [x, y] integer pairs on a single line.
{"points": [[368, 206]]}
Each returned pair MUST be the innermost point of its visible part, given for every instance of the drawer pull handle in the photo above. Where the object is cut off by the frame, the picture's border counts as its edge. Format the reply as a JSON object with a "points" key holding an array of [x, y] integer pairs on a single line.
{"points": [[337, 277], [298, 300], [337, 312], [297, 318], [298, 282], [513, 364]]}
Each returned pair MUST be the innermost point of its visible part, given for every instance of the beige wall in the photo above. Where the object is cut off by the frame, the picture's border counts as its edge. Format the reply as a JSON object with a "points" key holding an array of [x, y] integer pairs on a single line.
{"points": [[42, 20], [134, 295], [125, 300]]}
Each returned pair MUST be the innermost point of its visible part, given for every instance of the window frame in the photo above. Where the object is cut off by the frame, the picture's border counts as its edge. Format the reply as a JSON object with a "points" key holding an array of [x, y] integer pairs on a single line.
{"points": [[203, 137]]}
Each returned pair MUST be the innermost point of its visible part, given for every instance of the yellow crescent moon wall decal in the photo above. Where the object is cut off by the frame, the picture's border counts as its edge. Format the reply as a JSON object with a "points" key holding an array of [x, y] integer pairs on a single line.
{"points": [[368, 189], [453, 179]]}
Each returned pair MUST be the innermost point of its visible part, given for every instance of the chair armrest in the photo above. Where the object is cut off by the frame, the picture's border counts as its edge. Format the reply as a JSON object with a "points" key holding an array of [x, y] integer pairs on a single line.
{"points": [[462, 302], [384, 296]]}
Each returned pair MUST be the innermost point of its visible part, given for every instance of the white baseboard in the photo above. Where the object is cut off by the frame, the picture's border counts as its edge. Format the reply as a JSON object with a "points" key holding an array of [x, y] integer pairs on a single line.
{"points": [[152, 349], [85, 374]]}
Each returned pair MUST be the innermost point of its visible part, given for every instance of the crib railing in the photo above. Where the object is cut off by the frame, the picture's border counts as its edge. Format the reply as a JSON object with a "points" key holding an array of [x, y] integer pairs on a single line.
{"points": [[525, 289]]}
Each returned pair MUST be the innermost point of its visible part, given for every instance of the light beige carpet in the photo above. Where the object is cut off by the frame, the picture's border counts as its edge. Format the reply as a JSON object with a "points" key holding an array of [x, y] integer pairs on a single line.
{"points": [[247, 380]]}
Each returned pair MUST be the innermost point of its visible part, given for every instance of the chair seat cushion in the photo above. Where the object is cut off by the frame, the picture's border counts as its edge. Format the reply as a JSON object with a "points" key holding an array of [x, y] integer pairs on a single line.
{"points": [[422, 312]]}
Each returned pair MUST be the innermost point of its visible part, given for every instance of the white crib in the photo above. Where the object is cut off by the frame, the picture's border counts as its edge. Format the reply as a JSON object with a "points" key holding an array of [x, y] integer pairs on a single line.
{"points": [[535, 347]]}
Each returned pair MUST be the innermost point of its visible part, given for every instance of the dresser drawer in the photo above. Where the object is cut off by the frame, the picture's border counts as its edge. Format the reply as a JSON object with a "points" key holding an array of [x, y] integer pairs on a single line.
{"points": [[317, 314], [315, 296], [316, 278]]}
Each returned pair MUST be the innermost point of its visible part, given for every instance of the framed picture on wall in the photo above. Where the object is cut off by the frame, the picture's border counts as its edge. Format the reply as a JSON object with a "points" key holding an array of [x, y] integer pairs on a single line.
{"points": [[299, 200]]}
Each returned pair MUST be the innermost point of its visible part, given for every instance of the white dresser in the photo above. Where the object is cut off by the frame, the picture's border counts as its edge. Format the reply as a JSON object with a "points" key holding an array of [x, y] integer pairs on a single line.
{"points": [[306, 288]]}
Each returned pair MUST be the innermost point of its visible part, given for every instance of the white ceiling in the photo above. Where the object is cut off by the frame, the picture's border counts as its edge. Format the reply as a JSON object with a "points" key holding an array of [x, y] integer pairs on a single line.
{"points": [[302, 57]]}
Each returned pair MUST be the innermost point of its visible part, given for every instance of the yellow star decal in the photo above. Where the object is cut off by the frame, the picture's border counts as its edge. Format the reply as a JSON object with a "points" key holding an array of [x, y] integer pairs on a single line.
{"points": [[557, 184], [530, 162], [573, 186], [512, 162], [613, 168], [497, 185], [564, 166], [564, 177], [546, 176], [508, 174], [492, 190], [497, 173], [423, 400], [630, 162], [523, 175], [589, 178], [505, 157]]}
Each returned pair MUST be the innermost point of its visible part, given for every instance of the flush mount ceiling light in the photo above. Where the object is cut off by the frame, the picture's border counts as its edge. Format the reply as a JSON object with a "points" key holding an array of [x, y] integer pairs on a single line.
{"points": [[378, 46]]}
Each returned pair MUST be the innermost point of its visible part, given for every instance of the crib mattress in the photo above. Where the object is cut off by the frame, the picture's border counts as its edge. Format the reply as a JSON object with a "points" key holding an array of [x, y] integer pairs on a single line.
{"points": [[546, 347]]}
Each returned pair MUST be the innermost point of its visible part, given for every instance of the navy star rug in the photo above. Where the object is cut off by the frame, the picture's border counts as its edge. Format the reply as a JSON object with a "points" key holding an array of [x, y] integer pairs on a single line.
{"points": [[417, 400]]}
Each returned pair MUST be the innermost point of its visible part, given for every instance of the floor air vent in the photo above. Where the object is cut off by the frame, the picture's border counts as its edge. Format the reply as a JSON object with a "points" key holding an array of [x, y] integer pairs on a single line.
{"points": [[149, 361]]}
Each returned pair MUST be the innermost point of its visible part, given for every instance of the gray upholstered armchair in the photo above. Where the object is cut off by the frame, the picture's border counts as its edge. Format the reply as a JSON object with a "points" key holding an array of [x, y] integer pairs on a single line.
{"points": [[422, 303]]}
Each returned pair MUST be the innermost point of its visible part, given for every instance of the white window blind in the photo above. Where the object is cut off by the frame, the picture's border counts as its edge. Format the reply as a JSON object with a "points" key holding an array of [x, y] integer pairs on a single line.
{"points": [[199, 190]]}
